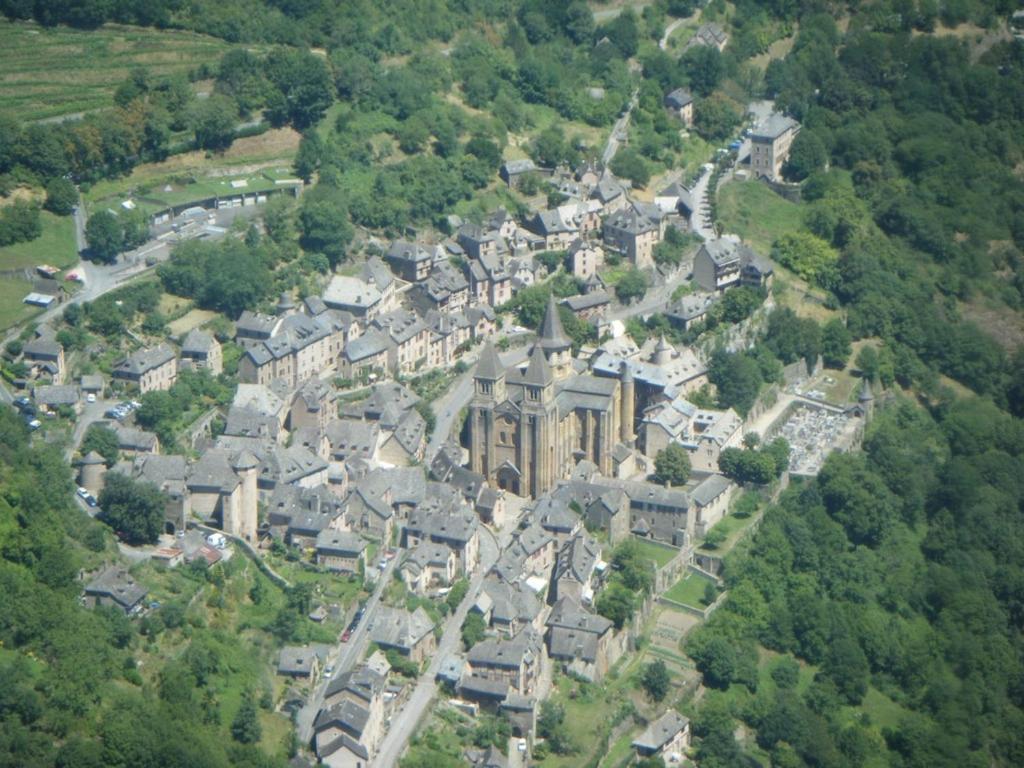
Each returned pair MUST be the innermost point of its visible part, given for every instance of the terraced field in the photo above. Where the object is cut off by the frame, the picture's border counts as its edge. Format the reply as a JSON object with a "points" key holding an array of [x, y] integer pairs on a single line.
{"points": [[53, 73]]}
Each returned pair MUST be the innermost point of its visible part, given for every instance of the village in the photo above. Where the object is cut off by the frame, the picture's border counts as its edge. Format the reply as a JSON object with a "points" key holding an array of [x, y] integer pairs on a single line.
{"points": [[509, 495]]}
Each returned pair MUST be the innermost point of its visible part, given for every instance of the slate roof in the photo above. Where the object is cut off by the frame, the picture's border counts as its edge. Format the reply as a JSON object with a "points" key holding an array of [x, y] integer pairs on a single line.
{"points": [[397, 628], [774, 126], [296, 660], [505, 653], [489, 365], [370, 344], [660, 732], [143, 361], [678, 98], [577, 559], [538, 372], [56, 394], [710, 489], [340, 543], [118, 585], [351, 293], [552, 336], [349, 437], [586, 301], [197, 342]]}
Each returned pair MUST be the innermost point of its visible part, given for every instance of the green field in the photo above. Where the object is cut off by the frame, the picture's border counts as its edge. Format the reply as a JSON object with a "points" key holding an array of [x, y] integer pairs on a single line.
{"points": [[55, 246], [660, 555], [48, 73], [750, 209], [689, 590], [12, 310]]}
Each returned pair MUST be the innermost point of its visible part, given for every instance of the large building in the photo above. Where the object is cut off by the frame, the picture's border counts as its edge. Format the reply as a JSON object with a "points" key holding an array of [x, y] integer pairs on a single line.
{"points": [[529, 426], [770, 143]]}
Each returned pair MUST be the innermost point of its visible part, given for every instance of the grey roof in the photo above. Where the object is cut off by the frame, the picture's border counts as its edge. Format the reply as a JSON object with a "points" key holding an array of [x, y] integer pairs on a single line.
{"points": [[42, 349], [340, 543], [248, 422], [427, 553], [504, 653], [118, 585], [555, 515], [143, 361], [376, 272], [511, 602], [256, 325], [214, 472], [661, 731], [774, 126], [91, 458], [350, 437], [197, 342], [132, 439], [92, 382], [678, 98], [567, 613], [590, 300], [259, 398], [552, 335], [691, 307], [538, 372], [351, 293], [710, 489], [550, 222], [512, 167], [403, 250], [489, 365], [439, 525], [296, 660], [629, 221], [370, 344], [400, 324], [577, 558], [56, 394], [608, 188], [410, 431], [397, 628]]}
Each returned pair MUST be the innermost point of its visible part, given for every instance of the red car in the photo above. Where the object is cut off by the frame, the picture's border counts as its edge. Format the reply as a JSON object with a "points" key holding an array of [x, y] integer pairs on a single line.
{"points": [[346, 635]]}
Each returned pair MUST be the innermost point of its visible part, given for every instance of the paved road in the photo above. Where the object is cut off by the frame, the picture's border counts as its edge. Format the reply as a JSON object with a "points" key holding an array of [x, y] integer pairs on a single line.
{"points": [[346, 655], [700, 219]]}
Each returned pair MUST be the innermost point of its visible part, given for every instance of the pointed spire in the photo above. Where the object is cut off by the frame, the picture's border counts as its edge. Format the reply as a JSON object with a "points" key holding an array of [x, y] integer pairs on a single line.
{"points": [[552, 335], [489, 365], [538, 372]]}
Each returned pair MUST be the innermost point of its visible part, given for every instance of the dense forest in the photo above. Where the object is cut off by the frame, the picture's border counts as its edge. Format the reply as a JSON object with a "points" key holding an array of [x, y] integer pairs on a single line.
{"points": [[70, 691]]}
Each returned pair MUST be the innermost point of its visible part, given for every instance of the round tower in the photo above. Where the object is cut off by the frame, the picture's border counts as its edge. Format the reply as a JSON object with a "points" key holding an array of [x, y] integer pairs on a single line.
{"points": [[285, 305], [663, 353]]}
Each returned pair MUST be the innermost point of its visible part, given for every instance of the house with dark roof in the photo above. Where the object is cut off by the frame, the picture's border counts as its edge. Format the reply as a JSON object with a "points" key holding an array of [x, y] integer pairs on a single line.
{"points": [[633, 234], [406, 442], [584, 643], [44, 356], [200, 349], [679, 103], [149, 369], [117, 588], [513, 662], [408, 337], [365, 355], [770, 143], [711, 35], [578, 569], [668, 737], [411, 634], [348, 729], [429, 565], [300, 662], [445, 289], [512, 172], [456, 528], [341, 551], [410, 261]]}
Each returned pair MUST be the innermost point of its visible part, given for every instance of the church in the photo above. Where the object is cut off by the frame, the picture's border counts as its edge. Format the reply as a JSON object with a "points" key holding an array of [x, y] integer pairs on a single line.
{"points": [[529, 425]]}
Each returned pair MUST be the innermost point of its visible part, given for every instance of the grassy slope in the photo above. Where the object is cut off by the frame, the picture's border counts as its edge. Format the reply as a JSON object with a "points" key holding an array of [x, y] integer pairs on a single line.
{"points": [[754, 212], [56, 246], [47, 73]]}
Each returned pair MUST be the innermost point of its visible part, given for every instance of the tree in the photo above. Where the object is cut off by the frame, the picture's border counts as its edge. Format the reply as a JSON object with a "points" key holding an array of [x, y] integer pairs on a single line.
{"points": [[655, 680], [325, 228], [812, 258], [632, 285], [672, 465], [867, 362], [551, 728], [668, 255], [806, 156], [629, 164], [245, 728], [213, 122], [103, 440], [61, 196], [105, 236], [616, 603], [715, 117], [473, 629], [737, 377], [303, 88], [716, 659], [134, 509], [835, 343], [704, 67]]}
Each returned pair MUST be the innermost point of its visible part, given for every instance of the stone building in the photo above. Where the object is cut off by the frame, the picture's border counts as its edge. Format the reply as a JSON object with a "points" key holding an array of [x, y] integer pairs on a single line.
{"points": [[529, 426]]}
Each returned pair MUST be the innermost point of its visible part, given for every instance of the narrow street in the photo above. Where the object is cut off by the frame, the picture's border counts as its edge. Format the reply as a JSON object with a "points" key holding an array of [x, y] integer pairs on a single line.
{"points": [[345, 656], [619, 131]]}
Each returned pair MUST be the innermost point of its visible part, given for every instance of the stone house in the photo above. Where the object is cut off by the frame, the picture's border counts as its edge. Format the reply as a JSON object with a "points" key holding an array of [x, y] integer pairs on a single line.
{"points": [[410, 261], [770, 143], [411, 634], [429, 565], [586, 258], [44, 356], [149, 369], [679, 103], [634, 235], [342, 551], [668, 737], [201, 350], [299, 662], [516, 661], [115, 587], [583, 642], [366, 355]]}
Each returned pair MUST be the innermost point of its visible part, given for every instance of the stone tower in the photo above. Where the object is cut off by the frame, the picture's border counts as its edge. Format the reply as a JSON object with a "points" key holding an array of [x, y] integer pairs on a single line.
{"points": [[663, 353], [285, 305], [628, 405], [539, 457], [489, 391], [92, 468], [554, 343], [246, 466]]}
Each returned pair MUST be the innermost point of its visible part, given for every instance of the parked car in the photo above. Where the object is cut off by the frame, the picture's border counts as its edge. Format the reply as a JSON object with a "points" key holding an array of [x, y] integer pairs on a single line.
{"points": [[90, 398], [22, 403], [522, 745], [34, 425], [91, 500], [83, 492], [346, 635]]}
